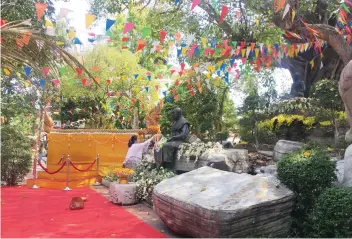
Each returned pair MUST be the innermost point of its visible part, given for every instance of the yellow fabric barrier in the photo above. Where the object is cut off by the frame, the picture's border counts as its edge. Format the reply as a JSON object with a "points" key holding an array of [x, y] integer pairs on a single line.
{"points": [[84, 148]]}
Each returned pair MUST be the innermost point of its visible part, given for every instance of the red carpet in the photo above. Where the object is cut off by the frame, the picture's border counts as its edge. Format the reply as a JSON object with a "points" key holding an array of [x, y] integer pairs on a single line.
{"points": [[43, 213]]}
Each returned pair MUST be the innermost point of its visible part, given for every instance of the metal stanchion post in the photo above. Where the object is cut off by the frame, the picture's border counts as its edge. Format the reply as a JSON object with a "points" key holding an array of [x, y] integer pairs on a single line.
{"points": [[35, 172], [97, 178], [67, 173]]}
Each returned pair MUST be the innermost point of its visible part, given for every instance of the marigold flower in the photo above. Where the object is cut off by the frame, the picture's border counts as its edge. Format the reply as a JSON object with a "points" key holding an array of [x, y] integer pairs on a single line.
{"points": [[306, 154]]}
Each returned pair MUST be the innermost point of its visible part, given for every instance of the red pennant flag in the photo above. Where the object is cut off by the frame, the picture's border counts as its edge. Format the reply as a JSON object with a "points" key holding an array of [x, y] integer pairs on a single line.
{"points": [[176, 97], [140, 47], [200, 89], [158, 48], [252, 45], [79, 71], [91, 34], [124, 39], [223, 14], [242, 44], [95, 68], [19, 42], [128, 27], [173, 91], [162, 36], [198, 84], [177, 83], [156, 87], [243, 61], [192, 92], [172, 71], [40, 8], [183, 66], [108, 81], [46, 71], [190, 86], [180, 73], [212, 51], [2, 22], [84, 80]]}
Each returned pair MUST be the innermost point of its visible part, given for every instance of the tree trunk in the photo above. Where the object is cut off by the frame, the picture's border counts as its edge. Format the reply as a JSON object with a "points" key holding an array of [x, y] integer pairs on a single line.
{"points": [[221, 110]]}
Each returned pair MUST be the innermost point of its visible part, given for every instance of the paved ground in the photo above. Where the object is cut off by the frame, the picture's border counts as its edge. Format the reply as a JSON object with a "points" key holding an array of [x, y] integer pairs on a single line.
{"points": [[143, 211]]}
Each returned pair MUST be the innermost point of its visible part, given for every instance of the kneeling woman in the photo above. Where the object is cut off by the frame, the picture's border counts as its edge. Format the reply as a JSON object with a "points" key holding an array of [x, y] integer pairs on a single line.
{"points": [[136, 151]]}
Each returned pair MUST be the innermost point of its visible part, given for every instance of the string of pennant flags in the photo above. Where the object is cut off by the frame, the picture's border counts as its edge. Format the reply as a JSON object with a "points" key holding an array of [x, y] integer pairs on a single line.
{"points": [[232, 58]]}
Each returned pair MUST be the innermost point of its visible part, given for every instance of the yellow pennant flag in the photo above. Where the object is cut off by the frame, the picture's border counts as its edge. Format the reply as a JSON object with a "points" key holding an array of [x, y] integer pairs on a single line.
{"points": [[312, 63], [256, 52], [118, 94], [293, 14], [243, 51], [156, 96], [89, 19], [137, 91], [257, 22], [48, 23], [60, 43], [306, 46], [184, 50], [217, 81], [296, 51], [171, 43], [219, 63], [27, 83], [7, 72], [208, 76], [123, 77], [211, 68], [204, 41], [71, 33], [166, 52]]}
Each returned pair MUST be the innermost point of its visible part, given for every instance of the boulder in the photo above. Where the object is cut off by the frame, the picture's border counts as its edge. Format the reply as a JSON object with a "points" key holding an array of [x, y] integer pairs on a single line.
{"points": [[232, 160], [208, 202], [123, 194], [339, 170], [347, 172], [284, 147], [270, 169]]}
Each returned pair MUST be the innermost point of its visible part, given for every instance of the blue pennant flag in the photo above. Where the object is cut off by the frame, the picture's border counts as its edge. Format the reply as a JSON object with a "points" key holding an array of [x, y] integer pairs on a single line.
{"points": [[135, 76], [179, 51], [77, 41], [213, 43], [265, 51], [276, 47], [232, 61], [177, 2], [169, 99], [42, 83], [27, 70], [149, 77], [197, 52], [164, 93], [147, 89], [109, 23], [183, 45], [223, 67], [91, 40], [218, 73], [227, 78]]}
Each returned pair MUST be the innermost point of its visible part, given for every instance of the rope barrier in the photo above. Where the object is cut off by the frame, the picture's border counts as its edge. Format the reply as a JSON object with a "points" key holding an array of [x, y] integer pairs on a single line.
{"points": [[47, 171], [84, 169]]}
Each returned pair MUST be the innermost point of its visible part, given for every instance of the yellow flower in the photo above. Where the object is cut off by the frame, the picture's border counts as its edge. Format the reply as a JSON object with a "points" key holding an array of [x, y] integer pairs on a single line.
{"points": [[306, 154]]}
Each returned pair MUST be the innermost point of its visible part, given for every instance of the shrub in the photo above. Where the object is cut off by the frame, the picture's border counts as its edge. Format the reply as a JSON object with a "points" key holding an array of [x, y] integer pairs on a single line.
{"points": [[111, 175], [332, 215], [147, 176], [307, 172], [15, 155]]}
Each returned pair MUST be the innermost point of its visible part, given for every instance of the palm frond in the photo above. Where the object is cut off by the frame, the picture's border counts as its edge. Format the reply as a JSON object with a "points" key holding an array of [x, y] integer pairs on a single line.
{"points": [[37, 52]]}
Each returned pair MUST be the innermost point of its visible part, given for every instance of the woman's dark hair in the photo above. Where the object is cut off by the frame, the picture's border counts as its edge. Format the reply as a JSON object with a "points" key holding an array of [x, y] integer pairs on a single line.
{"points": [[132, 140]]}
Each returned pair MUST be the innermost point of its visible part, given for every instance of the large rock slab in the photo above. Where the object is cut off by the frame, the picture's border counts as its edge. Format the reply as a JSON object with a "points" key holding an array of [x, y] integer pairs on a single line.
{"points": [[212, 203], [284, 147], [123, 194]]}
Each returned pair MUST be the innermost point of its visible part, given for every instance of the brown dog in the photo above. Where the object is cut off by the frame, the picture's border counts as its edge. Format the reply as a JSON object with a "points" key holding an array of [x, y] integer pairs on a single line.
{"points": [[77, 203]]}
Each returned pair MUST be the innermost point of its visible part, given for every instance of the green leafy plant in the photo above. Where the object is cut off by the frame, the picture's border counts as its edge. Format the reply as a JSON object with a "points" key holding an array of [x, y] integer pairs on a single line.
{"points": [[332, 214], [307, 172], [147, 176], [111, 175], [15, 155]]}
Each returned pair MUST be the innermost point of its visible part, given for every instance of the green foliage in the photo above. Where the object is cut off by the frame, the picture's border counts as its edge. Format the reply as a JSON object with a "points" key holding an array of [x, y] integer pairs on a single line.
{"points": [[332, 214], [307, 172], [15, 155], [325, 93], [111, 174], [147, 176]]}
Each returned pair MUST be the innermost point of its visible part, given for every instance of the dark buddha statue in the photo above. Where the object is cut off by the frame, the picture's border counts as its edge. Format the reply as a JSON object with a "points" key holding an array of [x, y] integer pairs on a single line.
{"points": [[179, 134], [298, 87]]}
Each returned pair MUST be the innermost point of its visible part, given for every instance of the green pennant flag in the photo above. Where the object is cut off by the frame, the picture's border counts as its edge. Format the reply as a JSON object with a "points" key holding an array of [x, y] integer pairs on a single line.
{"points": [[167, 85], [108, 33], [234, 43], [217, 52], [146, 32], [346, 8], [71, 82], [169, 66], [201, 52], [62, 71]]}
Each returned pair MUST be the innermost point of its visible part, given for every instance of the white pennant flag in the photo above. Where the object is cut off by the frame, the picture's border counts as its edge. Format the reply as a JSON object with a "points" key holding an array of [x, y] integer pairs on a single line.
{"points": [[64, 12], [190, 39], [50, 31], [111, 68], [321, 65], [27, 22], [248, 51], [287, 8], [261, 46]]}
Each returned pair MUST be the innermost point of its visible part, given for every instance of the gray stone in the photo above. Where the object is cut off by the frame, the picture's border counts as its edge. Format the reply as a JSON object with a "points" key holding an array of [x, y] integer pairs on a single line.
{"points": [[232, 160], [212, 203], [123, 194], [347, 172], [266, 153], [339, 170], [284, 147], [270, 169]]}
